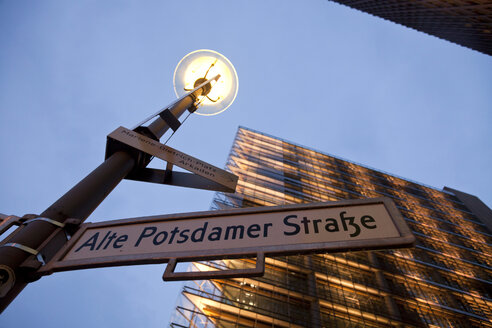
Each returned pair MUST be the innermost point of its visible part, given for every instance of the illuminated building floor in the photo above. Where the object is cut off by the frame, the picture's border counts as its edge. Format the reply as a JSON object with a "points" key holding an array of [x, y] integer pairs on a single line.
{"points": [[445, 281]]}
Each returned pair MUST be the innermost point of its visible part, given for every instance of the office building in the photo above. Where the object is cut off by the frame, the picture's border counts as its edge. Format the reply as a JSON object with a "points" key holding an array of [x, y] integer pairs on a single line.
{"points": [[465, 22], [444, 281]]}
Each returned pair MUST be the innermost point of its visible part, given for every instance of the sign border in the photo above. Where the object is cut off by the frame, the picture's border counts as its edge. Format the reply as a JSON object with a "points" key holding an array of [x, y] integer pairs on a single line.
{"points": [[406, 238]]}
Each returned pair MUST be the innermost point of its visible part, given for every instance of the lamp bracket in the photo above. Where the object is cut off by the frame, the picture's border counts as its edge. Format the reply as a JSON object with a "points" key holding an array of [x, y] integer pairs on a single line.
{"points": [[170, 119]]}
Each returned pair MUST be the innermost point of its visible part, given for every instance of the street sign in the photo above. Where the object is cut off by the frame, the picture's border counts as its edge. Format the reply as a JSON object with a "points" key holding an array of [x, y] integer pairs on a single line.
{"points": [[280, 230], [171, 155]]}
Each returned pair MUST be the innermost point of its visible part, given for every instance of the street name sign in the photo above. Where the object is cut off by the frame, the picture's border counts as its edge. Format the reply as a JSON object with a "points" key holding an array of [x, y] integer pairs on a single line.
{"points": [[280, 230], [171, 155]]}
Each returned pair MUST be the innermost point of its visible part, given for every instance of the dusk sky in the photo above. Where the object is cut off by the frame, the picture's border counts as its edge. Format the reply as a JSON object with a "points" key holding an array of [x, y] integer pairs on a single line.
{"points": [[314, 72]]}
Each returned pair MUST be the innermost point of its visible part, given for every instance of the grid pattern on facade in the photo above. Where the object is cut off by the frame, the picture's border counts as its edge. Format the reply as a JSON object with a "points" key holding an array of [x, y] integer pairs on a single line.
{"points": [[445, 281], [465, 22]]}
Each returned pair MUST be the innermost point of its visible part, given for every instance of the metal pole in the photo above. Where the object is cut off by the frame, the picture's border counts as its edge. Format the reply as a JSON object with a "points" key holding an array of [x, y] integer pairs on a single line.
{"points": [[78, 203], [159, 126]]}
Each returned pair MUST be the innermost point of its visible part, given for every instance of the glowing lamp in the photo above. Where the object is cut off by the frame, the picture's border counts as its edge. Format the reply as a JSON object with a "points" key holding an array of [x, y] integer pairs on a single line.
{"points": [[199, 66]]}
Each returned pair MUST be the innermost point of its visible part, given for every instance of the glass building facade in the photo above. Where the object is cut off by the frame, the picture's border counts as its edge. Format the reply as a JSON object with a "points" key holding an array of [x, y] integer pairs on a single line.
{"points": [[465, 22], [444, 281]]}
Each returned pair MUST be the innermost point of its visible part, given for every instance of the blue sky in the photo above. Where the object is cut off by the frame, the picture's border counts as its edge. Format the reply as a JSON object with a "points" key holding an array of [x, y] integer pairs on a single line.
{"points": [[312, 72]]}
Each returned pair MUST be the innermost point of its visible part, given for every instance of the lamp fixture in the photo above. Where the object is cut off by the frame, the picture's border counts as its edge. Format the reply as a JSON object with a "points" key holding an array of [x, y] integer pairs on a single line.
{"points": [[197, 67]]}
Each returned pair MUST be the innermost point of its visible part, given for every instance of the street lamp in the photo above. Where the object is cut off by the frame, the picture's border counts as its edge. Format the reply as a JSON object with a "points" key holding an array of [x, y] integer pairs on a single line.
{"points": [[207, 90], [206, 83], [199, 65]]}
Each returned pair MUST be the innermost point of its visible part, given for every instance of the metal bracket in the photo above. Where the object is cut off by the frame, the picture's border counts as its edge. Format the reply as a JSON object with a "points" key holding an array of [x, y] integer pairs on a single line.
{"points": [[170, 119], [10, 221], [7, 279], [193, 107], [152, 148], [170, 275], [169, 172], [71, 226], [176, 178], [27, 249], [22, 247], [38, 258], [114, 146], [53, 222]]}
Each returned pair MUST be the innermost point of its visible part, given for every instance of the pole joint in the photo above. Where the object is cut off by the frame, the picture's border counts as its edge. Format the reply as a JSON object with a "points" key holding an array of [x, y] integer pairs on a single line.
{"points": [[141, 159], [37, 257]]}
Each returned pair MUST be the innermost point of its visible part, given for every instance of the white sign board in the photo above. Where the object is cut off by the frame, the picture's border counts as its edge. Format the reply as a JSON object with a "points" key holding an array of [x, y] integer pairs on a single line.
{"points": [[291, 229]]}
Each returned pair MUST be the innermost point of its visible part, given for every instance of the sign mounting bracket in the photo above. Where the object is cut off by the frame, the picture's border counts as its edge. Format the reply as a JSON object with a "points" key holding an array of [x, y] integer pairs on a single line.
{"points": [[203, 175], [171, 275], [175, 178]]}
